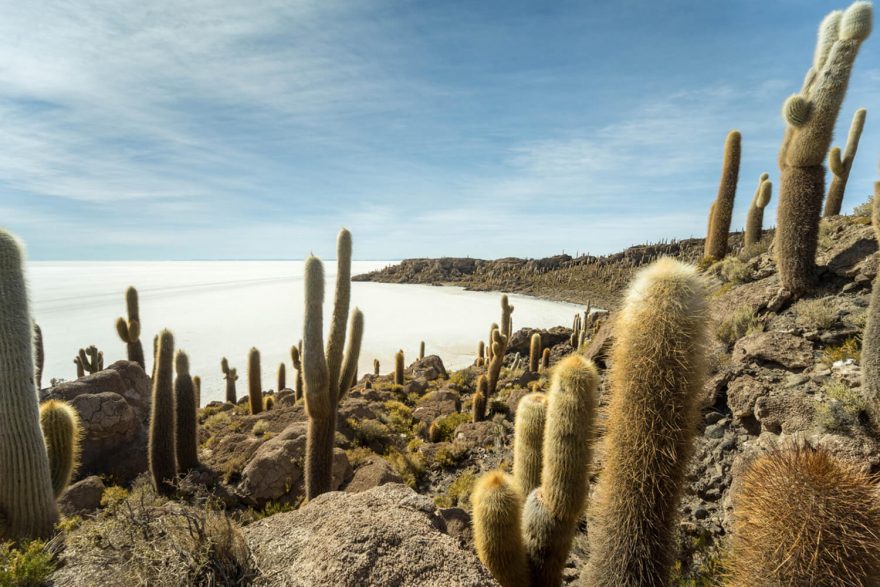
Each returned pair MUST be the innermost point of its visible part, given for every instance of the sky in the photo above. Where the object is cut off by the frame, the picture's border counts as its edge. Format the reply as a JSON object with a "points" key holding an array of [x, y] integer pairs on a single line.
{"points": [[222, 129]]}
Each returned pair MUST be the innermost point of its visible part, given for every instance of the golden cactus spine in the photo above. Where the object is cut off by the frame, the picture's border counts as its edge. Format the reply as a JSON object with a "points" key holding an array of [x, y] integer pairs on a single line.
{"points": [[26, 497], [327, 377], [62, 433], [722, 210], [528, 444], [186, 432], [161, 450], [656, 376], [810, 116], [755, 217], [804, 518], [841, 167], [130, 330], [497, 529]]}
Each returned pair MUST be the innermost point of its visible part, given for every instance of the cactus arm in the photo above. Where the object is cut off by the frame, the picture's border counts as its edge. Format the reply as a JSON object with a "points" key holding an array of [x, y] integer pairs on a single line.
{"points": [[528, 441], [352, 352], [497, 535], [840, 167], [336, 338], [186, 434], [315, 376]]}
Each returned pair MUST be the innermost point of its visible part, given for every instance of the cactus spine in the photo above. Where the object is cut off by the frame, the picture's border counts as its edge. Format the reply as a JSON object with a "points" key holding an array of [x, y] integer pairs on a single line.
{"points": [[529, 441], [871, 336], [534, 352], [506, 316], [755, 217], [398, 368], [657, 373], [497, 529], [62, 432], [841, 167], [255, 382], [39, 356], [230, 375], [722, 210], [295, 354], [810, 117], [130, 330], [163, 467], [327, 377], [27, 502], [186, 433], [804, 518]]}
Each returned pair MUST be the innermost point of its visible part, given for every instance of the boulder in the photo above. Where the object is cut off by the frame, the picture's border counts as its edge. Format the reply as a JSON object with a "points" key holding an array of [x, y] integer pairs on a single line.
{"points": [[83, 497], [373, 473], [388, 535], [437, 403], [599, 347], [472, 434], [521, 340], [774, 348], [429, 369]]}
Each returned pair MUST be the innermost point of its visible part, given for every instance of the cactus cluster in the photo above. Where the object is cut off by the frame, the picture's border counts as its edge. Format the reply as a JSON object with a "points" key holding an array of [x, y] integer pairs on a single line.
{"points": [[327, 376], [721, 211], [841, 167], [130, 330], [810, 116], [230, 375], [755, 217], [88, 360]]}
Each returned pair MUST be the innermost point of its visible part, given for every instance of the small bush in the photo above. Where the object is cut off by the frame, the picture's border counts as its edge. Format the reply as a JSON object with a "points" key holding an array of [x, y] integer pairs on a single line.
{"points": [[29, 565], [113, 496], [410, 466], [463, 379], [819, 314], [458, 493], [448, 424], [843, 409], [743, 321], [864, 209], [851, 348], [370, 433], [858, 319], [733, 270], [218, 420], [399, 418], [260, 428], [449, 455]]}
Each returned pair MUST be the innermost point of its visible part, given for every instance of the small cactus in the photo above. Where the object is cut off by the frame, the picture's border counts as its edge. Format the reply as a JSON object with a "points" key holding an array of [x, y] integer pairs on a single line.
{"points": [[376, 367], [230, 375], [545, 359], [161, 450], [39, 356], [722, 210], [268, 403], [130, 330], [498, 346], [434, 432], [479, 405], [295, 354], [62, 433], [755, 218], [529, 441], [255, 381], [841, 167], [398, 368], [197, 389], [534, 352], [282, 377], [422, 350], [186, 433], [481, 353], [89, 360], [506, 316]]}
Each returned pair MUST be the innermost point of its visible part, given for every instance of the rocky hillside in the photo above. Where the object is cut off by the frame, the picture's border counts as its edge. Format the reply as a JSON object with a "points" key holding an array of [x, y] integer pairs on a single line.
{"points": [[782, 371]]}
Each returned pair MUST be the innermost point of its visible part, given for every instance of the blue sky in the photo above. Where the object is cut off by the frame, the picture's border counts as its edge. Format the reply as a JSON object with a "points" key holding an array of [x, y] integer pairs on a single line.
{"points": [[226, 129]]}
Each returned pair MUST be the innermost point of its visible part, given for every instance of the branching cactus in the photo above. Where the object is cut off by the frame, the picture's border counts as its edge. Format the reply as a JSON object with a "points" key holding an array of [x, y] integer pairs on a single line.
{"points": [[295, 354], [39, 355], [231, 376], [492, 328], [498, 346], [186, 432], [841, 167], [506, 316], [398, 367], [755, 217], [722, 211], [810, 117], [871, 336], [656, 377], [551, 460], [327, 376], [62, 433], [89, 360], [255, 381], [130, 330], [801, 517], [534, 352], [161, 450]]}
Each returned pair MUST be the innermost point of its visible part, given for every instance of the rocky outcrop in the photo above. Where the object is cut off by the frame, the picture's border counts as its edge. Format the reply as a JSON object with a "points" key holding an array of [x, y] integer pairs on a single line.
{"points": [[372, 473], [114, 411], [429, 369], [388, 535]]}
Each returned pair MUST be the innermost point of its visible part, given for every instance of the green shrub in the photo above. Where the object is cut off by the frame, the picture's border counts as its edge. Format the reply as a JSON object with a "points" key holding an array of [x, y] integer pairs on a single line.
{"points": [[819, 314], [399, 418], [370, 433], [260, 428], [851, 348], [449, 455], [29, 565], [864, 210], [113, 496], [463, 379], [842, 409], [410, 466], [733, 270], [448, 424], [743, 321], [458, 493]]}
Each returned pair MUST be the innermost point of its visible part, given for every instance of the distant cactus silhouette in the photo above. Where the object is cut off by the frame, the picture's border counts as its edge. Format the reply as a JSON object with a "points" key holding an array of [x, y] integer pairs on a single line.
{"points": [[498, 346], [398, 367], [422, 350], [801, 517], [327, 377], [841, 167], [186, 433], [722, 210], [161, 450], [656, 376], [130, 330], [62, 433], [506, 317], [255, 382], [282, 377], [755, 218], [295, 355], [39, 355], [545, 359], [481, 354], [231, 376], [197, 389], [810, 116], [89, 360]]}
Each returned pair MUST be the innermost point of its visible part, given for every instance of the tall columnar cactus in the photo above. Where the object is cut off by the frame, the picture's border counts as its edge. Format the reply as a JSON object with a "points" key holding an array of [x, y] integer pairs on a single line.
{"points": [[376, 367], [27, 503], [531, 414], [398, 368], [534, 352], [575, 331], [545, 359], [498, 346], [492, 328], [162, 453], [89, 360], [255, 381], [801, 517], [656, 377], [552, 443], [506, 316], [871, 336], [282, 377], [295, 354], [841, 167], [706, 243], [197, 390], [231, 376], [722, 210], [130, 330], [479, 399], [327, 376], [39, 355], [422, 350], [810, 117], [481, 354], [755, 217], [62, 433], [186, 433]]}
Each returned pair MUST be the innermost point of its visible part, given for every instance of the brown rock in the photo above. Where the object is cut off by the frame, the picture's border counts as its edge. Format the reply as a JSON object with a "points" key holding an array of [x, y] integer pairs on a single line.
{"points": [[429, 369], [776, 348], [83, 497], [373, 473]]}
